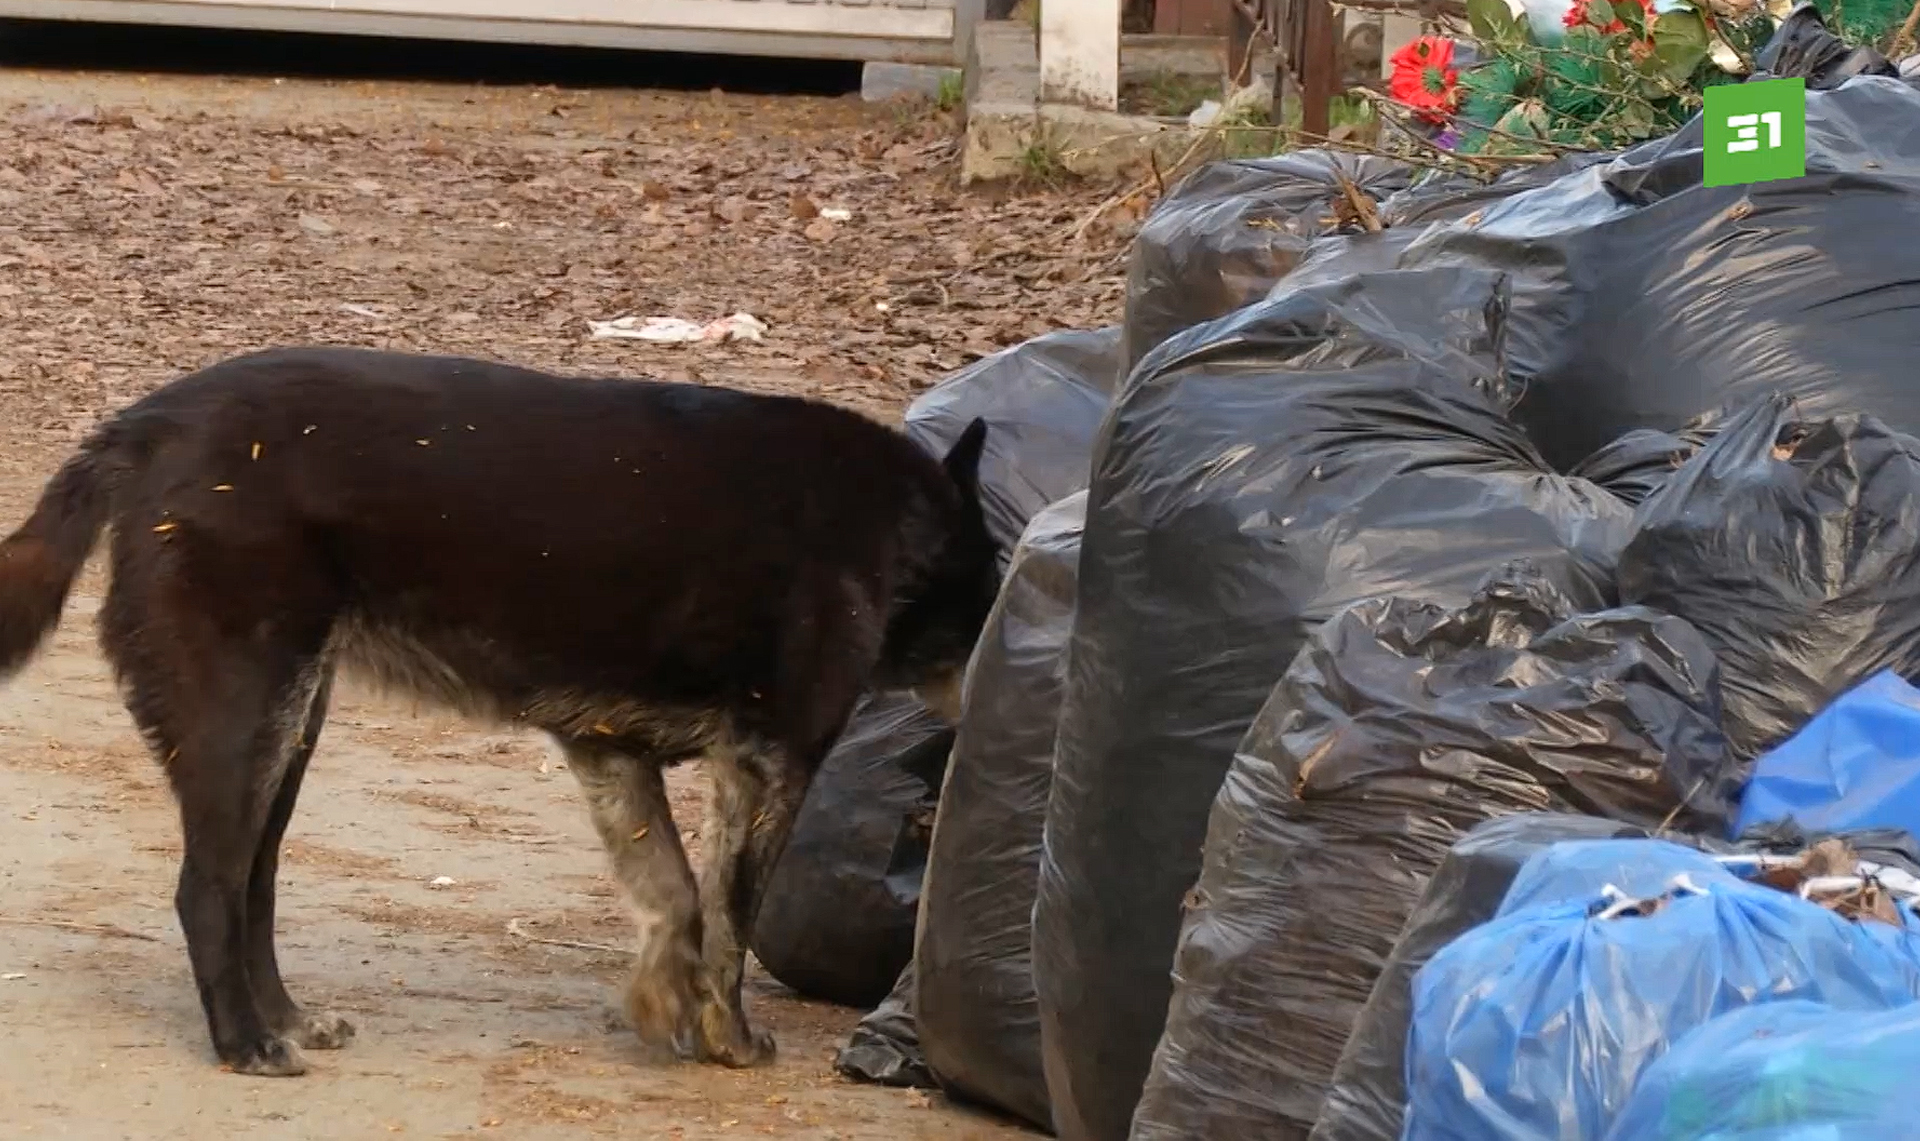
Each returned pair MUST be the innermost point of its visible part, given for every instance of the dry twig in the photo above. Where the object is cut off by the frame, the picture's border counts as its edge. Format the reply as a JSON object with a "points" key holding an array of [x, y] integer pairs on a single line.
{"points": [[108, 929], [1903, 39], [514, 929]]}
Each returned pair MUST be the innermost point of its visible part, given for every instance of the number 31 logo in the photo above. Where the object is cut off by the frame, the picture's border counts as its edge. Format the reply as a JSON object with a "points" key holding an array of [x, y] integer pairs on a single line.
{"points": [[1747, 127], [1755, 132]]}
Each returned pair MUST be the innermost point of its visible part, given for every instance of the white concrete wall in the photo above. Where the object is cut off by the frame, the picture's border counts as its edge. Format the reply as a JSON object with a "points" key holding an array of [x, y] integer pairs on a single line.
{"points": [[1080, 53]]}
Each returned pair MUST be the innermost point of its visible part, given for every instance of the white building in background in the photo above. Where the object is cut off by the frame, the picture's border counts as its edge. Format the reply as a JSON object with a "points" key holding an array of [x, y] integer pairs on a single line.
{"points": [[908, 31]]}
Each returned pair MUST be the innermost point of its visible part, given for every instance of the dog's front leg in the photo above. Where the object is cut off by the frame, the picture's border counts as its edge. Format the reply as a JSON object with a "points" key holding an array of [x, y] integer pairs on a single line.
{"points": [[756, 795], [627, 798]]}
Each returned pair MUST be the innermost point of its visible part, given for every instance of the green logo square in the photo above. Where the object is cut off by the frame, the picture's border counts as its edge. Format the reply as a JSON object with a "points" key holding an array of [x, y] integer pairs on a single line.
{"points": [[1756, 132]]}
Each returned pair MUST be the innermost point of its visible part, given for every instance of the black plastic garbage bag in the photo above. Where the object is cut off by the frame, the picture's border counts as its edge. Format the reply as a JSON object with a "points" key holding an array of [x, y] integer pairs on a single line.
{"points": [[1641, 462], [979, 1020], [1802, 47], [1409, 214], [837, 920], [839, 916], [884, 1049], [1793, 543], [1043, 401], [1257, 474], [1888, 847], [1643, 298], [1227, 232], [1400, 727], [1367, 1098]]}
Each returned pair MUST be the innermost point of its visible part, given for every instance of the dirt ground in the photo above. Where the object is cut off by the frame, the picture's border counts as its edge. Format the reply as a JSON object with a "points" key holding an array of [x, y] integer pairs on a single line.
{"points": [[151, 224]]}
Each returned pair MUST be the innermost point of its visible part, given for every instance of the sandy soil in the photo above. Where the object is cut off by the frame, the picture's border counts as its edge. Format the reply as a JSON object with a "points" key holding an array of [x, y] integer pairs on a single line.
{"points": [[151, 224]]}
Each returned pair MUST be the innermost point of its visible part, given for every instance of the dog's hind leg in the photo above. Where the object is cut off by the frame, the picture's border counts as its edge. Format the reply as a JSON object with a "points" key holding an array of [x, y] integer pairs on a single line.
{"points": [[315, 1031], [757, 793], [220, 664], [627, 798]]}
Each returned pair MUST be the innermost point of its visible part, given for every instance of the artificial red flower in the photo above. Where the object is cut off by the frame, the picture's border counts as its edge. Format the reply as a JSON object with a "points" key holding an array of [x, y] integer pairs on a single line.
{"points": [[1425, 79], [1578, 15]]}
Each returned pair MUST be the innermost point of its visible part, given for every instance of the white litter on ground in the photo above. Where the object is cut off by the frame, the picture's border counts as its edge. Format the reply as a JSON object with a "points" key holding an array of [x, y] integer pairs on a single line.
{"points": [[677, 330]]}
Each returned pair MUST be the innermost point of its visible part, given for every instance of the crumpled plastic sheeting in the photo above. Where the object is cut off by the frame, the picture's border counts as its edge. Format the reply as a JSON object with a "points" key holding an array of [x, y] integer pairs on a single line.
{"points": [[1802, 46], [1256, 475], [884, 1048], [1793, 544], [1227, 232], [1784, 1071], [1537, 1025], [979, 1019], [1400, 726]]}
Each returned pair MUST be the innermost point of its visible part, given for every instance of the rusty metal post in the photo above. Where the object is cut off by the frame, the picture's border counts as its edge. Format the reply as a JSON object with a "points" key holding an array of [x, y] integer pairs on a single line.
{"points": [[1318, 68], [1240, 47]]}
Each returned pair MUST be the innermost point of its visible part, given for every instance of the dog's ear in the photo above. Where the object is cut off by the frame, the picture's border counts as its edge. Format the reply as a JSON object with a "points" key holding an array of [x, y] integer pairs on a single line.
{"points": [[963, 459]]}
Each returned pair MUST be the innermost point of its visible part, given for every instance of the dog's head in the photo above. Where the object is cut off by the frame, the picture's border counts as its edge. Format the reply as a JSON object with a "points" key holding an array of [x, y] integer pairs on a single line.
{"points": [[933, 632]]}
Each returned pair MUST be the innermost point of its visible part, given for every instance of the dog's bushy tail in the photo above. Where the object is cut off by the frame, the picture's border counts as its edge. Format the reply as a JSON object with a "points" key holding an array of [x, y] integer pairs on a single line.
{"points": [[39, 562]]}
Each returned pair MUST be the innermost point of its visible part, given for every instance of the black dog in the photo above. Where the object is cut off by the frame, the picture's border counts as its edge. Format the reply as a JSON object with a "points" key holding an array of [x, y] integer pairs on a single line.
{"points": [[648, 572]]}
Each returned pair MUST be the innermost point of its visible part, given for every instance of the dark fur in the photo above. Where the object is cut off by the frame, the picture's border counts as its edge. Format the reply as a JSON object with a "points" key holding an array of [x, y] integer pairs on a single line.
{"points": [[648, 572]]}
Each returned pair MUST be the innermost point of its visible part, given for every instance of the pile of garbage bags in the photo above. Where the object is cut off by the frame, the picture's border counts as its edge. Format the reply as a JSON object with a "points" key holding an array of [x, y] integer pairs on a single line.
{"points": [[1400, 727], [841, 906], [1541, 1023], [1325, 447], [1428, 655]]}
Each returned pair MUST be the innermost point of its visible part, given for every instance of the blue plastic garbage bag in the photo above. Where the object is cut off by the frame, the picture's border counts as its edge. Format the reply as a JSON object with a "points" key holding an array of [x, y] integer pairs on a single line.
{"points": [[1856, 765], [1785, 1071], [1579, 871], [1536, 1026]]}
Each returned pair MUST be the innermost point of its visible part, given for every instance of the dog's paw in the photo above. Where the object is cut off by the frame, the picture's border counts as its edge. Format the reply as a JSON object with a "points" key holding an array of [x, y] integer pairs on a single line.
{"points": [[269, 1057], [659, 1016], [323, 1031], [727, 1040]]}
